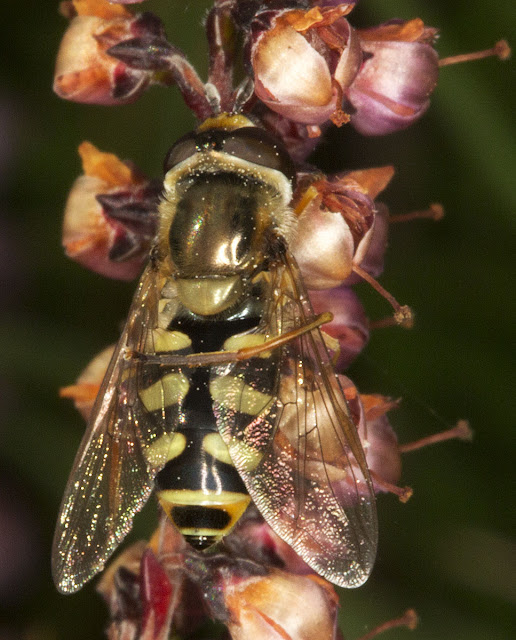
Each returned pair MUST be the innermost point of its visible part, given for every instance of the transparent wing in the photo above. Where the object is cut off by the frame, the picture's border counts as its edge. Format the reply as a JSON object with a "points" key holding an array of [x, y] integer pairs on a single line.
{"points": [[295, 444], [112, 475]]}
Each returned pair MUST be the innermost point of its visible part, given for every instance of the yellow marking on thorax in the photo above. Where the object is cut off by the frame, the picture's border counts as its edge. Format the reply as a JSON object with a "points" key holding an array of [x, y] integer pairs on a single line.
{"points": [[227, 121], [233, 394], [215, 446], [167, 391], [166, 448]]}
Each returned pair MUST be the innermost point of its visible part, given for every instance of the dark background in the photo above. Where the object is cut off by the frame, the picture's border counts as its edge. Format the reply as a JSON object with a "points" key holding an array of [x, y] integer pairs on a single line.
{"points": [[448, 552]]}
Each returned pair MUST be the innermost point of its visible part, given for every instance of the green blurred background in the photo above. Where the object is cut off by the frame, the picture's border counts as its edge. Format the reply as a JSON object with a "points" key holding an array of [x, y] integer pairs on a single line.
{"points": [[448, 552]]}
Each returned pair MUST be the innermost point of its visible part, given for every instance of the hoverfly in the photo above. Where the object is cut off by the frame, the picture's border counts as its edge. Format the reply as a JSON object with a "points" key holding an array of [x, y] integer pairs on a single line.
{"points": [[221, 390]]}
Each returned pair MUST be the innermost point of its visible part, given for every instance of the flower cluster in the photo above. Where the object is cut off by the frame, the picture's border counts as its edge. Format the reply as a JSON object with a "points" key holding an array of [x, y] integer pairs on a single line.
{"points": [[306, 67]]}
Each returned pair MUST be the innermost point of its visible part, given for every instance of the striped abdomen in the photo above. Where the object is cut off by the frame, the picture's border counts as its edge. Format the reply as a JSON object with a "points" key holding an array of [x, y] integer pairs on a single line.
{"points": [[198, 487]]}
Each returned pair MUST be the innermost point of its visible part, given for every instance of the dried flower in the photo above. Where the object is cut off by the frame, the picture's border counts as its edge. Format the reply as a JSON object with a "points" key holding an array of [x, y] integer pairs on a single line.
{"points": [[108, 223], [303, 61], [84, 391], [160, 589], [337, 224], [274, 606], [152, 589], [85, 72]]}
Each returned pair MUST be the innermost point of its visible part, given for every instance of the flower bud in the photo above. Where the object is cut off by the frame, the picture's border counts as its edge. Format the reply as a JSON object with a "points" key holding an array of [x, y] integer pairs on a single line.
{"points": [[370, 252], [376, 434], [335, 227], [274, 607], [85, 72], [156, 594], [323, 245], [85, 390], [303, 61], [253, 538], [294, 135], [349, 325], [141, 597], [400, 69], [382, 452], [109, 216]]}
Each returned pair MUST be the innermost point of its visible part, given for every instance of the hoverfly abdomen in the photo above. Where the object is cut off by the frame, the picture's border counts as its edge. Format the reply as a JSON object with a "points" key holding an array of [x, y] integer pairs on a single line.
{"points": [[200, 489]]}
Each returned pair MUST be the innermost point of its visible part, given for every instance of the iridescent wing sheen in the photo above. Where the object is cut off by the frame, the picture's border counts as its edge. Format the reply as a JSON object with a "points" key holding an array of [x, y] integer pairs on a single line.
{"points": [[113, 472], [295, 444]]}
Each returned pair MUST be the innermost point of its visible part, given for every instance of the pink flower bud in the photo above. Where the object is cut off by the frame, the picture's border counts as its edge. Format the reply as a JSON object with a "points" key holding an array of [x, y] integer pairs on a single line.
{"points": [[349, 325], [85, 72], [382, 451], [108, 222], [323, 245], [303, 61], [376, 434], [370, 252], [400, 69], [336, 217], [253, 538]]}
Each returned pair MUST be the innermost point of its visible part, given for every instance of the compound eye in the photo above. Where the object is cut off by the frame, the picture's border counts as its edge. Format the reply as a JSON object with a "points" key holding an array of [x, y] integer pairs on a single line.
{"points": [[183, 149], [261, 147]]}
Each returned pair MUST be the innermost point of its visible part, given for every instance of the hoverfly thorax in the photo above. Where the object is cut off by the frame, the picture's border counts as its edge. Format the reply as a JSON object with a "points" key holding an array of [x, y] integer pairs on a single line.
{"points": [[224, 190]]}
